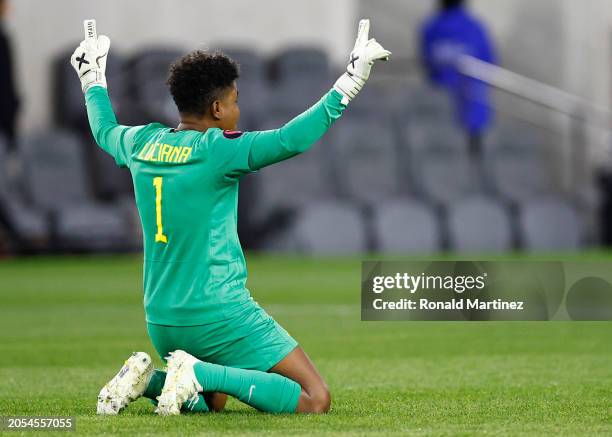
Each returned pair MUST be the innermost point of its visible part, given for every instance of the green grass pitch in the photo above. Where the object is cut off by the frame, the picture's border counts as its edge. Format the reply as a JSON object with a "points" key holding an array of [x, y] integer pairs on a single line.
{"points": [[67, 324]]}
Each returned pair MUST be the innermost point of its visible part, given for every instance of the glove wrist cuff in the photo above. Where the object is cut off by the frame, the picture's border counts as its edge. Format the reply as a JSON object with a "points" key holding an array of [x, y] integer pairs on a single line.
{"points": [[91, 85], [92, 78], [349, 86]]}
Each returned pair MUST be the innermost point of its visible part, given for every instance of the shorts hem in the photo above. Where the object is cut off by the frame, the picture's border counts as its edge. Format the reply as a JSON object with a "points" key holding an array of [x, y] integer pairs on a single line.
{"points": [[282, 355]]}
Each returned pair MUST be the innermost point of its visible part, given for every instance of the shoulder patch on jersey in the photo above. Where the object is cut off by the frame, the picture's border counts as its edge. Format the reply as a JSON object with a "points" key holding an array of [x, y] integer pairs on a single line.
{"points": [[232, 134]]}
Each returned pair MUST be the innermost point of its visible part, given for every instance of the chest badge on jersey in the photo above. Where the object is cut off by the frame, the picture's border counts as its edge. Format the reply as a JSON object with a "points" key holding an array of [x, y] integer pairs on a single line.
{"points": [[232, 134]]}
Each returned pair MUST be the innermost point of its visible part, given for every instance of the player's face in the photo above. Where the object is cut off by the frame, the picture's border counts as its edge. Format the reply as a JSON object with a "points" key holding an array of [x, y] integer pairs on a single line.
{"points": [[231, 111]]}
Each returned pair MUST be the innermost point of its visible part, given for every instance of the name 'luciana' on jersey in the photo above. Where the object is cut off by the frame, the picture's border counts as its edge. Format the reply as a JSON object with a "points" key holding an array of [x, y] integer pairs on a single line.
{"points": [[155, 152]]}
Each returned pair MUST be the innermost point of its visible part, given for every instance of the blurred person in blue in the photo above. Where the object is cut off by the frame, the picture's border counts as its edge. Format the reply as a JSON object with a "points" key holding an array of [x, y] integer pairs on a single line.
{"points": [[9, 102], [445, 36]]}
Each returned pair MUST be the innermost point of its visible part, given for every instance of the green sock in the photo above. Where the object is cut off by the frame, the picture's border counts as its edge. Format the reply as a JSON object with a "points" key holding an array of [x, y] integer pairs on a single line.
{"points": [[154, 389], [268, 392]]}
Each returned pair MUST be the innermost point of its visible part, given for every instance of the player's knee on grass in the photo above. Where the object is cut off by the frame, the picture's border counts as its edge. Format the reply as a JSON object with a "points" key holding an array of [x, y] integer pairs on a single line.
{"points": [[322, 401], [319, 401]]}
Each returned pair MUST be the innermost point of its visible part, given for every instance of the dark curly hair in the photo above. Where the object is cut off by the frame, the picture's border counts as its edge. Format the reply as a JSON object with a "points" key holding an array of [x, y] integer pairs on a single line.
{"points": [[199, 78]]}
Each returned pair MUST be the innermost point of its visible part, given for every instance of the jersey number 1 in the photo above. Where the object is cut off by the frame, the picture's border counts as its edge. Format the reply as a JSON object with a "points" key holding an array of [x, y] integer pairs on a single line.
{"points": [[159, 237]]}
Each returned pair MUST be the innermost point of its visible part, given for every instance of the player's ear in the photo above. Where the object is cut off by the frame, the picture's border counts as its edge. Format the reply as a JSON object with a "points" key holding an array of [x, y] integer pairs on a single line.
{"points": [[216, 110]]}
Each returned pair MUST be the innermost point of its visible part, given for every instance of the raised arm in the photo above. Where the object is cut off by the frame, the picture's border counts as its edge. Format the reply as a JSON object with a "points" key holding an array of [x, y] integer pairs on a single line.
{"points": [[89, 61], [115, 139], [269, 147]]}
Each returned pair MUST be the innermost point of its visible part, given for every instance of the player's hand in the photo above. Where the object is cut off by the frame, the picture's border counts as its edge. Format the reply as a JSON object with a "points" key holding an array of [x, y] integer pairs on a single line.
{"points": [[363, 56], [89, 58], [365, 52]]}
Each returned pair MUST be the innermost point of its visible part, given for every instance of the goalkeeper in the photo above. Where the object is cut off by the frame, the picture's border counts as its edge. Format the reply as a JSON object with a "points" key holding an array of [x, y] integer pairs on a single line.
{"points": [[200, 316]]}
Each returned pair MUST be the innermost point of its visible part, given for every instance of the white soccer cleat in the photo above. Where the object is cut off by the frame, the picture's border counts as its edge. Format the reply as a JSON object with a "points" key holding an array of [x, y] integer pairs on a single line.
{"points": [[181, 384], [127, 385]]}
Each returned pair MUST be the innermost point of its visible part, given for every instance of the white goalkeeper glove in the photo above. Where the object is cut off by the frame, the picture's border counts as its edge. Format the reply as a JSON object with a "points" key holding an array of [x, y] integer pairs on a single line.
{"points": [[365, 52], [89, 58]]}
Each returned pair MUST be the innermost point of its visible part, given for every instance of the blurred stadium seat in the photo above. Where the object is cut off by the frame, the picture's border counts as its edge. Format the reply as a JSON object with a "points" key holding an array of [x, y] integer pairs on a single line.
{"points": [[301, 65], [252, 65], [253, 100], [479, 224], [328, 229], [278, 193], [108, 182], [300, 76], [148, 72], [56, 182], [365, 162], [549, 224], [440, 163], [373, 101], [406, 226], [421, 103], [520, 163], [289, 99]]}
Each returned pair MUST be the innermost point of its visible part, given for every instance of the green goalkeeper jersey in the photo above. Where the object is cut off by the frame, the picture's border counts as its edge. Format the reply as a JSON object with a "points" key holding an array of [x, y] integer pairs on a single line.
{"points": [[186, 188]]}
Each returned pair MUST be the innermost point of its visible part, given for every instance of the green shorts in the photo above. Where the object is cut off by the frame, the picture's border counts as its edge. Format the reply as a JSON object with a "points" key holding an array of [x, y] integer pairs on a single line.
{"points": [[250, 340]]}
